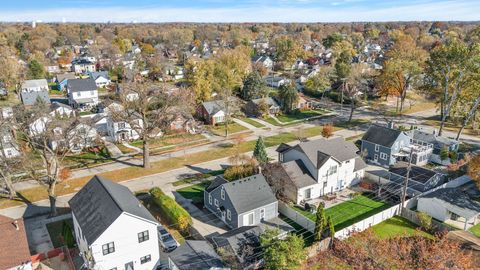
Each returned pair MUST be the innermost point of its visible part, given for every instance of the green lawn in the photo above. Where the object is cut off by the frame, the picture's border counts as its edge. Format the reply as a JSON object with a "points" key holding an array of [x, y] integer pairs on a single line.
{"points": [[170, 140], [196, 177], [475, 230], [299, 230], [397, 226], [299, 115], [87, 158], [55, 231], [56, 92], [232, 128], [251, 122], [194, 192], [350, 212]]}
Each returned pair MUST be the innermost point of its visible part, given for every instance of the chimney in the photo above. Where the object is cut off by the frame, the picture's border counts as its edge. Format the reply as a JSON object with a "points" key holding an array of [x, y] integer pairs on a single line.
{"points": [[15, 223], [259, 169], [390, 125]]}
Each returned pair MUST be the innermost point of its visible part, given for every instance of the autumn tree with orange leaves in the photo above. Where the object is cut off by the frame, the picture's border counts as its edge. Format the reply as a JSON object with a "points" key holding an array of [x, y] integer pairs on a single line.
{"points": [[474, 169]]}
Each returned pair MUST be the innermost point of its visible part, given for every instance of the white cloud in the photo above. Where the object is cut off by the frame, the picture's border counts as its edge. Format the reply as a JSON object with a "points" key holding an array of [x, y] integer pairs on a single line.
{"points": [[447, 10]]}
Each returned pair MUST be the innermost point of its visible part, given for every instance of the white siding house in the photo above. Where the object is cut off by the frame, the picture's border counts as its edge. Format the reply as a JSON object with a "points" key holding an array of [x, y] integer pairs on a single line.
{"points": [[112, 228]]}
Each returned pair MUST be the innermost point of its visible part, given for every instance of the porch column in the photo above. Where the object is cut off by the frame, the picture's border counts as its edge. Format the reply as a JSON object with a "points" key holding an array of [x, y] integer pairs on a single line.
{"points": [[465, 224]]}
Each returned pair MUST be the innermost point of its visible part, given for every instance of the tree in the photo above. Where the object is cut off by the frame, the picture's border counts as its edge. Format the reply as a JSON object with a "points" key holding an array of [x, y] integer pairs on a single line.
{"points": [[366, 251], [354, 83], [319, 83], [444, 153], [47, 141], [320, 222], [425, 220], [254, 87], [151, 112], [260, 152], [447, 74], [406, 61], [331, 228], [278, 254], [343, 69], [200, 76], [35, 70], [287, 50], [8, 165], [327, 130], [474, 169], [330, 40], [289, 97], [11, 69]]}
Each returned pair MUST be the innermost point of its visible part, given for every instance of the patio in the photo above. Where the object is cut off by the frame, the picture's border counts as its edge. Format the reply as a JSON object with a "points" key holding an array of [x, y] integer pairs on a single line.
{"points": [[333, 199]]}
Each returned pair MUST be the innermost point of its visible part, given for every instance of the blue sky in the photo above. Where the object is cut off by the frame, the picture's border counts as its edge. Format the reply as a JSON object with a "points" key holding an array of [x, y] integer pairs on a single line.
{"points": [[239, 10]]}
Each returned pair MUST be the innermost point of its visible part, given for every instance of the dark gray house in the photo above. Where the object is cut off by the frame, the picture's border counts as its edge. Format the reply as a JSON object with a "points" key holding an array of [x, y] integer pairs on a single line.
{"points": [[420, 180], [244, 202], [384, 145], [195, 255]]}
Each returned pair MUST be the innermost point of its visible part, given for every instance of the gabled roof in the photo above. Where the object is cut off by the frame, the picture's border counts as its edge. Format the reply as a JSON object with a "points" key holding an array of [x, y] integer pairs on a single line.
{"points": [[437, 141], [298, 173], [319, 151], [65, 76], [35, 83], [381, 135], [215, 183], [418, 174], [249, 193], [30, 98], [283, 147], [268, 100], [96, 74], [196, 255], [14, 249], [100, 202], [55, 105], [212, 107], [79, 85], [455, 201]]}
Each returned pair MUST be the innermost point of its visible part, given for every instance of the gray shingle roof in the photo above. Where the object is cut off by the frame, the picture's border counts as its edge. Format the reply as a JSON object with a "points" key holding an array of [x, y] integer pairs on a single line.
{"points": [[195, 255], [100, 202], [78, 85], [298, 173], [359, 164], [270, 101], [381, 135], [65, 76], [35, 83], [212, 107], [94, 75], [455, 201], [30, 98], [319, 151], [249, 193]]}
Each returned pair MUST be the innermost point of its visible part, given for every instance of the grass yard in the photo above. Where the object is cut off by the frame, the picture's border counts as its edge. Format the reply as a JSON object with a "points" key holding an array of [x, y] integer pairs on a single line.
{"points": [[272, 121], [397, 226], [300, 115], [55, 92], [196, 177], [87, 158], [170, 140], [353, 123], [299, 230], [475, 230], [219, 129], [351, 211], [435, 122], [251, 122], [194, 192], [55, 231]]}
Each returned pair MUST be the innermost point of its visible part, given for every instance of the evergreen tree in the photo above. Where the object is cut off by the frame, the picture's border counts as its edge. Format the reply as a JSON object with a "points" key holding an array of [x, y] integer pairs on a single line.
{"points": [[289, 96], [320, 222], [254, 87], [260, 152], [35, 70], [331, 228]]}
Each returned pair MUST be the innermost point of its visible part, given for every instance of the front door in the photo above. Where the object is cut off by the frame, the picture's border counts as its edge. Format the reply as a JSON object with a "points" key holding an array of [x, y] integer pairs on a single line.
{"points": [[375, 158], [129, 266]]}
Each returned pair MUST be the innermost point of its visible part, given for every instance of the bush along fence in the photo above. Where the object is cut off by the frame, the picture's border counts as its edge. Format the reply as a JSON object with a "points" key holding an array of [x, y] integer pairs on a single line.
{"points": [[171, 210]]}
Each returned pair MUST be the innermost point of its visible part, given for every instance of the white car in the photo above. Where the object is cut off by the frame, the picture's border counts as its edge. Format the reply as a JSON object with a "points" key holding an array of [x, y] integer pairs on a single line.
{"points": [[166, 240]]}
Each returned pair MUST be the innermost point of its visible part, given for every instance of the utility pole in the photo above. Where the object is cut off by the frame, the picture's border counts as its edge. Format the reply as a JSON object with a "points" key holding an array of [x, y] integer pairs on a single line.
{"points": [[404, 193]]}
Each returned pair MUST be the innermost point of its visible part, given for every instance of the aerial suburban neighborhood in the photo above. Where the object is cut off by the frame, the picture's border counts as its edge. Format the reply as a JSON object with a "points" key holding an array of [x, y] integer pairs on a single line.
{"points": [[218, 135]]}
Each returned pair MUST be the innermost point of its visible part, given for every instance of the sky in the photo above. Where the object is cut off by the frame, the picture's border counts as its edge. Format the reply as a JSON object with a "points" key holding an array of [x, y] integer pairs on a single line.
{"points": [[238, 10]]}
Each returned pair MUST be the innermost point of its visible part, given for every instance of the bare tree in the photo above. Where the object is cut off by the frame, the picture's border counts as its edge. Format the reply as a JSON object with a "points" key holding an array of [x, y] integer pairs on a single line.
{"points": [[8, 162], [149, 109], [48, 139]]}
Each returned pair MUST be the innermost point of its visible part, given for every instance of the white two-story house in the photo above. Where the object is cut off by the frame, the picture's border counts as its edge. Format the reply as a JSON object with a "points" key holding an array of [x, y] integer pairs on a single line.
{"points": [[315, 168], [113, 229], [82, 93]]}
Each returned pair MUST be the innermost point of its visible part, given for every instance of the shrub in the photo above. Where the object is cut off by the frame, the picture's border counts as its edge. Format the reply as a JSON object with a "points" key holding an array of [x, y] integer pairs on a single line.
{"points": [[238, 172], [425, 220], [171, 210], [327, 130]]}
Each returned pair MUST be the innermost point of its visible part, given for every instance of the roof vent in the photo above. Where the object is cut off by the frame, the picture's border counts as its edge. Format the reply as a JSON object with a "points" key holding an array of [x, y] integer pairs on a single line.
{"points": [[15, 223]]}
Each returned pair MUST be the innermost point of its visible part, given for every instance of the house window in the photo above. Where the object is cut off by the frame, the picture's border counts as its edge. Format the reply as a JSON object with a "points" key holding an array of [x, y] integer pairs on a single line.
{"points": [[229, 214], [222, 194], [262, 213], [92, 93], [210, 199], [142, 236], [9, 152], [383, 156], [332, 170], [248, 219], [108, 248], [121, 125], [145, 259], [375, 157], [79, 94], [216, 202], [377, 147]]}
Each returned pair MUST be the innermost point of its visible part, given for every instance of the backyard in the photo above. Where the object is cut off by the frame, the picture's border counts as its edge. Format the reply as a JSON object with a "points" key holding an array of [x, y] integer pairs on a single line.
{"points": [[397, 226], [351, 211], [475, 230], [55, 230]]}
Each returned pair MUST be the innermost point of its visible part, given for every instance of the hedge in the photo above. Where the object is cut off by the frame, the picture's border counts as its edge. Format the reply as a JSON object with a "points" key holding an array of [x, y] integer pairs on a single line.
{"points": [[171, 210]]}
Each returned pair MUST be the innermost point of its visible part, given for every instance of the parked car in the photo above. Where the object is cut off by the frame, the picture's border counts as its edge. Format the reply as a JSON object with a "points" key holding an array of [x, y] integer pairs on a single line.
{"points": [[166, 240]]}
